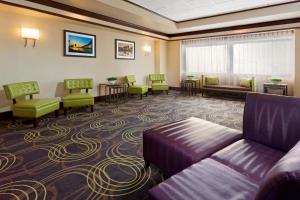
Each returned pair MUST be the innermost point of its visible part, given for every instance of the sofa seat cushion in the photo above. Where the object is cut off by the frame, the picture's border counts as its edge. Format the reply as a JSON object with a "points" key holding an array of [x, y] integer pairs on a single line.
{"points": [[137, 89], [78, 96], [35, 107], [78, 100], [283, 180], [249, 158], [160, 86], [175, 146], [206, 180], [228, 87]]}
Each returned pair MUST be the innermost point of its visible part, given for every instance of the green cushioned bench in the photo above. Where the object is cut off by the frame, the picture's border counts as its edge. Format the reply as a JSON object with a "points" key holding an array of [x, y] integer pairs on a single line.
{"points": [[78, 99], [212, 83], [29, 108]]}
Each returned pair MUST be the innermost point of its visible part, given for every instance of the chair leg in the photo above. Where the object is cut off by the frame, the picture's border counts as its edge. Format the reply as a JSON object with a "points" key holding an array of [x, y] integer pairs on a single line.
{"points": [[65, 111], [92, 108], [36, 122], [146, 94], [56, 113], [167, 91], [14, 120], [141, 96]]}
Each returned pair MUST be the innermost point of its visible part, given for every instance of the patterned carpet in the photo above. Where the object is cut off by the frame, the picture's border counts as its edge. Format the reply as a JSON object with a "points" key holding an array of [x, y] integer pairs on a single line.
{"points": [[96, 155]]}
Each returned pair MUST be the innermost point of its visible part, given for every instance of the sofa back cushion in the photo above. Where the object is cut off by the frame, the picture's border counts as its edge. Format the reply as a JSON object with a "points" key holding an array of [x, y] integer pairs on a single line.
{"points": [[157, 77], [130, 79], [283, 179], [211, 80], [73, 84], [15, 90], [272, 120], [244, 82]]}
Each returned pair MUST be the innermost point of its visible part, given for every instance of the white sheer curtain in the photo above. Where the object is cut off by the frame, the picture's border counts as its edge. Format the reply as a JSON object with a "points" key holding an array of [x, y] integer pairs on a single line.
{"points": [[261, 55]]}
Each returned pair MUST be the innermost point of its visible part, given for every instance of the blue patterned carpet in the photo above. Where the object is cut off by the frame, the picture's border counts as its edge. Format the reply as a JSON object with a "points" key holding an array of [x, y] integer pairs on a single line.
{"points": [[96, 155]]}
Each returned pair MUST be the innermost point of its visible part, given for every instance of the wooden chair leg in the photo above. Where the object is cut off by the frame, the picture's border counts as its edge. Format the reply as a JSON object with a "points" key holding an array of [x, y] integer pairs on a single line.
{"points": [[36, 122], [167, 91], [14, 120], [56, 113], [92, 108], [65, 111], [146, 94], [141, 96]]}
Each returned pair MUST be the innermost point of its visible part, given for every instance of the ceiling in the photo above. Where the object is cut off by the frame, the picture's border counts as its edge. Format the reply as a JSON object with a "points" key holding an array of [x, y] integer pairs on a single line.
{"points": [[146, 16], [181, 10]]}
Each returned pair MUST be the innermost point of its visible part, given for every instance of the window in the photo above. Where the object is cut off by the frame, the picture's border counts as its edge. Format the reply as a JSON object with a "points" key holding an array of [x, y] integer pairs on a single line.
{"points": [[261, 54]]}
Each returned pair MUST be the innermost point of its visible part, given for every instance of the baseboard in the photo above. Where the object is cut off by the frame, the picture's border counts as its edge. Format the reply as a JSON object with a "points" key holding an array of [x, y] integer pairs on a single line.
{"points": [[175, 88], [5, 115]]}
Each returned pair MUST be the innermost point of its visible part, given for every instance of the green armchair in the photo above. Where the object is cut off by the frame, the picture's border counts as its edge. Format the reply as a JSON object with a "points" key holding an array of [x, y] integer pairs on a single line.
{"points": [[158, 82], [29, 108], [136, 89], [78, 99]]}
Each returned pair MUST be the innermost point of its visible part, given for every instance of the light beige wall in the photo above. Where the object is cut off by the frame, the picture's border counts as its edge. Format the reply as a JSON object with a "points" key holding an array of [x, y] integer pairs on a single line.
{"points": [[173, 63], [297, 64], [160, 56], [46, 64]]}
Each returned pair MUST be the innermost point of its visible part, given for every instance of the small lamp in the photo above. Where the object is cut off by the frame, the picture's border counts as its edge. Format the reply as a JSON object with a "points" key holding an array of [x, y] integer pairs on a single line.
{"points": [[29, 33], [147, 50]]}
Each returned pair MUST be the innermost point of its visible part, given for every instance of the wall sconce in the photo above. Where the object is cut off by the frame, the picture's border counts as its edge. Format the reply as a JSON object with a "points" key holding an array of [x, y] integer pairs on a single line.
{"points": [[29, 33], [147, 50]]}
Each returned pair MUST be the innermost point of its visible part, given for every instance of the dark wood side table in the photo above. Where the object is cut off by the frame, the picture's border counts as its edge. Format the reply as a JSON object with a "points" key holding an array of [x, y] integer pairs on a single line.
{"points": [[114, 92], [190, 86], [272, 86]]}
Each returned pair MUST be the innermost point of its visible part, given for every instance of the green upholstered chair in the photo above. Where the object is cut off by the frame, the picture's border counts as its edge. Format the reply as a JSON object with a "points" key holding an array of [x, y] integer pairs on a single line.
{"points": [[78, 99], [158, 82], [136, 89], [29, 108]]}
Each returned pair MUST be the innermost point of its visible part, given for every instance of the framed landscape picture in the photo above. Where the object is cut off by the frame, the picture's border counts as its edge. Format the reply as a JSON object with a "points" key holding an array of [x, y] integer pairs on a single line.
{"points": [[79, 44], [124, 49]]}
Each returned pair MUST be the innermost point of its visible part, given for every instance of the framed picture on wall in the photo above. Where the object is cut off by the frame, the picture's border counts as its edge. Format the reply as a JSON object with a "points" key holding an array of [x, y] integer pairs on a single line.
{"points": [[79, 44], [124, 49]]}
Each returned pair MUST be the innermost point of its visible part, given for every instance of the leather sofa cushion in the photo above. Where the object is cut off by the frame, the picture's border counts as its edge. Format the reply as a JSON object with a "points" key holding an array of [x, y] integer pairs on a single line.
{"points": [[249, 158], [283, 180], [206, 180], [175, 146], [35, 103], [272, 120], [227, 87], [75, 96]]}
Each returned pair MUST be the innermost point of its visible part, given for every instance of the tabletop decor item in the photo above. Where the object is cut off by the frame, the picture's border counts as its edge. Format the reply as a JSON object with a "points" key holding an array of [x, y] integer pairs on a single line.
{"points": [[124, 49], [79, 44], [190, 77], [275, 79], [112, 80]]}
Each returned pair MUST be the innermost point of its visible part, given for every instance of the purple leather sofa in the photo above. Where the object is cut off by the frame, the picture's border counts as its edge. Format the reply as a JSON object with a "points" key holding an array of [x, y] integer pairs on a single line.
{"points": [[263, 165]]}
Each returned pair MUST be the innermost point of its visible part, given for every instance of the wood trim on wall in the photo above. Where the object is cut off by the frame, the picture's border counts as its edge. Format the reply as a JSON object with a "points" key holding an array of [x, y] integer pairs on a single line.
{"points": [[68, 8], [239, 27], [87, 13], [79, 20]]}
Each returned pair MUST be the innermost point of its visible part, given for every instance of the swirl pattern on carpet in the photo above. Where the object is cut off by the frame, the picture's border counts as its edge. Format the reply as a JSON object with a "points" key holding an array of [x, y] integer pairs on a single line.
{"points": [[97, 155]]}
